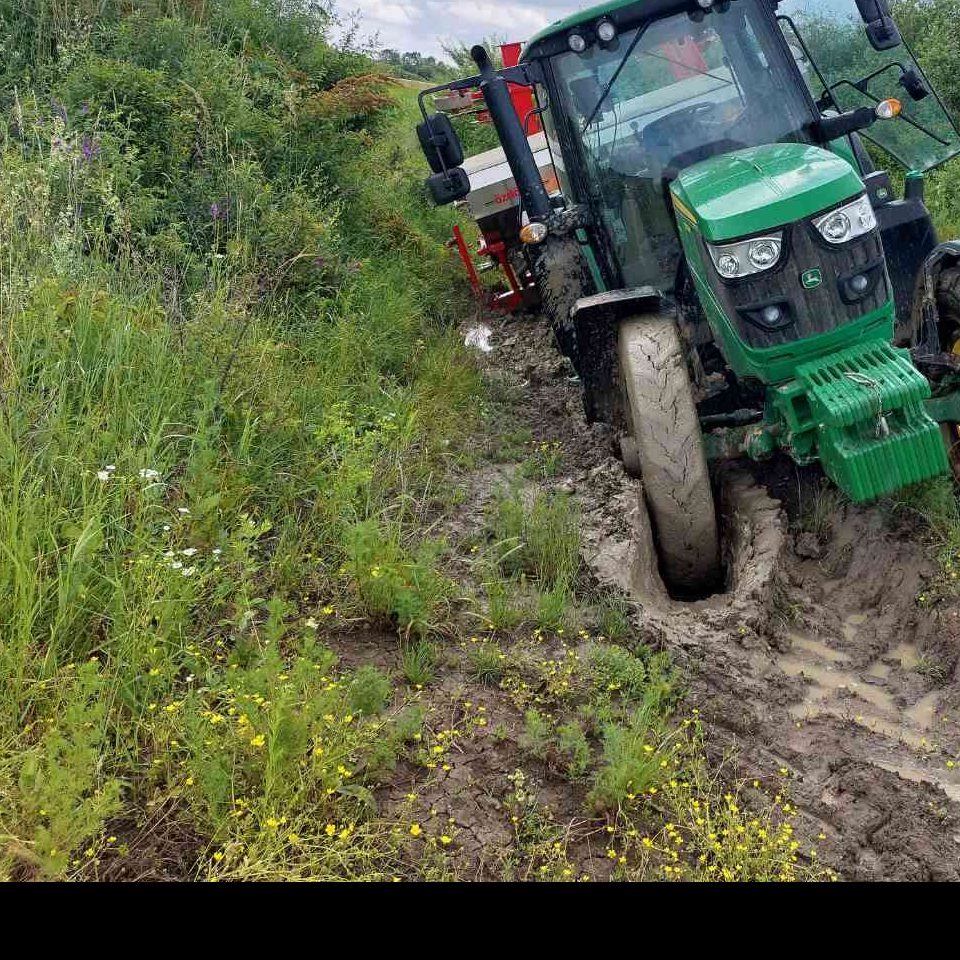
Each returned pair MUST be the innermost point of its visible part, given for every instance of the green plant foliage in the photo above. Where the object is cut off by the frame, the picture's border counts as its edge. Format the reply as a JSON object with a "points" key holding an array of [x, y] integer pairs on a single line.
{"points": [[228, 385]]}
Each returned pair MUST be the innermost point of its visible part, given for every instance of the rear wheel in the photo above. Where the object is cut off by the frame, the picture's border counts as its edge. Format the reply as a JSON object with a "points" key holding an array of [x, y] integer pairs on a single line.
{"points": [[664, 444], [948, 307]]}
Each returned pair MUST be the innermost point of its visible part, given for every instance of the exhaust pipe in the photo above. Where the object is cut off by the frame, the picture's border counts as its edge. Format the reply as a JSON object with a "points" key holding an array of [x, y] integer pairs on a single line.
{"points": [[513, 138]]}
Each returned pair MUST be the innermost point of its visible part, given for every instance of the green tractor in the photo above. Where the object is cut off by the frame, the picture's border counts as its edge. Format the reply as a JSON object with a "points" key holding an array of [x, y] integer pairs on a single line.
{"points": [[726, 262]]}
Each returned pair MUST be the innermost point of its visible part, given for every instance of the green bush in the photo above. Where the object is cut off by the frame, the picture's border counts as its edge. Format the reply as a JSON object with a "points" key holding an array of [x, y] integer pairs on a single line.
{"points": [[369, 690]]}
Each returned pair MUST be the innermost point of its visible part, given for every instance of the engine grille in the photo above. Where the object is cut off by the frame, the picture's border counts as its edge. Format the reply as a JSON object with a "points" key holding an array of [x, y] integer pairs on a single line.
{"points": [[815, 310]]}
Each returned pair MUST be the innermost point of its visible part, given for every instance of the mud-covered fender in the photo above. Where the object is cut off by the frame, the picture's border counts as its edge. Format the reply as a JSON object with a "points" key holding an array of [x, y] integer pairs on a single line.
{"points": [[561, 273], [925, 333], [594, 321]]}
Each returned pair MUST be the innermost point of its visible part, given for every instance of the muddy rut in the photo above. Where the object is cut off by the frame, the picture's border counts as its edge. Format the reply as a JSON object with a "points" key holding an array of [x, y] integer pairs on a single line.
{"points": [[821, 657]]}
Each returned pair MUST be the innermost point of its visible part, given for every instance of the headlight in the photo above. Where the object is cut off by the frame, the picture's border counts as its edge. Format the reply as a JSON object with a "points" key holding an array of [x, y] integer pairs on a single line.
{"points": [[747, 257], [847, 222], [606, 30], [576, 42]]}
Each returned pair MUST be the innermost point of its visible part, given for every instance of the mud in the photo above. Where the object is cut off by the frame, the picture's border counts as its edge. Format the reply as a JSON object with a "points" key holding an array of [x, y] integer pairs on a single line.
{"points": [[818, 656]]}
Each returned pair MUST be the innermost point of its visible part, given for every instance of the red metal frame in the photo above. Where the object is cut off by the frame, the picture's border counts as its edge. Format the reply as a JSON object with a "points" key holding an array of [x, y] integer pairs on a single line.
{"points": [[492, 248], [461, 246]]}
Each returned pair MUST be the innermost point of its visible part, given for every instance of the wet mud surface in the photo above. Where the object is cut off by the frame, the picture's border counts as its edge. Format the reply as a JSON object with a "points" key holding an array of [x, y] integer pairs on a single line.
{"points": [[820, 657]]}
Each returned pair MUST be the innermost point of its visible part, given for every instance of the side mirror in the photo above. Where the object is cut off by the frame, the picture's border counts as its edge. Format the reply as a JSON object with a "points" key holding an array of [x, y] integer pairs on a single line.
{"points": [[882, 32], [440, 143], [450, 186], [912, 82]]}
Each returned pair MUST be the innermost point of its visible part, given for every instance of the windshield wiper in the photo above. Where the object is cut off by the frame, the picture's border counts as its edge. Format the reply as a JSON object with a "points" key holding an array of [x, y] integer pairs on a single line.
{"points": [[616, 73]]}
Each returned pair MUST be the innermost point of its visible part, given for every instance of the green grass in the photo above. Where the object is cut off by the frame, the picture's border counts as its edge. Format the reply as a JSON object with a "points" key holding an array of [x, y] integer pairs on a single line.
{"points": [[229, 385]]}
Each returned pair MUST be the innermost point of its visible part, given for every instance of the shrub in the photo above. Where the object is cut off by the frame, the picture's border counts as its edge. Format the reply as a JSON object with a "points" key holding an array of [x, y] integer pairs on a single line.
{"points": [[369, 690], [631, 761]]}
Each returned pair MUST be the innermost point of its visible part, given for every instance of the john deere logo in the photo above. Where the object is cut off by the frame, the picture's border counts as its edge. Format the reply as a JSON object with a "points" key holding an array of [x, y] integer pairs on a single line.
{"points": [[811, 278]]}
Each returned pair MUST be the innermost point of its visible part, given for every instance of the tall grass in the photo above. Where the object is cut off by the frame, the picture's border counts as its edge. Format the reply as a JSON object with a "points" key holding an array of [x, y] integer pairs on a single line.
{"points": [[225, 349]]}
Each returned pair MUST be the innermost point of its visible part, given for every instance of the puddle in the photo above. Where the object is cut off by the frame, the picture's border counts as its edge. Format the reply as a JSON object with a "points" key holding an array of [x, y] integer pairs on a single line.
{"points": [[880, 670], [923, 713], [818, 648], [907, 654], [834, 689], [947, 782], [852, 625]]}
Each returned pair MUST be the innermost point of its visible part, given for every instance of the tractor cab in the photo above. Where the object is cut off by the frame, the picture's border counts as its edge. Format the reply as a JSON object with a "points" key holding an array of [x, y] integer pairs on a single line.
{"points": [[683, 85], [738, 259]]}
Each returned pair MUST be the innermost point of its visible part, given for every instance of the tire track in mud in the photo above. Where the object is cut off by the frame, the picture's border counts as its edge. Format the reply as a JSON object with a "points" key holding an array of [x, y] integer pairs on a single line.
{"points": [[817, 658]]}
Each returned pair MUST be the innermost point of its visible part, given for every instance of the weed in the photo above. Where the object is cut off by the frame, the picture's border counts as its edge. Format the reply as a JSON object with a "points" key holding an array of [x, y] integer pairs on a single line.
{"points": [[555, 608], [500, 733], [616, 673], [223, 421], [391, 583], [509, 446], [506, 603], [544, 464], [542, 540], [574, 748], [613, 618], [818, 512], [486, 662], [537, 734], [932, 669], [631, 762], [717, 831], [539, 851], [418, 662], [369, 690]]}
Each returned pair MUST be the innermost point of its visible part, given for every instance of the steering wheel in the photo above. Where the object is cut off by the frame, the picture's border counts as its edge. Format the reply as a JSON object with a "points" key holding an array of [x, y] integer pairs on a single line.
{"points": [[677, 126], [678, 132]]}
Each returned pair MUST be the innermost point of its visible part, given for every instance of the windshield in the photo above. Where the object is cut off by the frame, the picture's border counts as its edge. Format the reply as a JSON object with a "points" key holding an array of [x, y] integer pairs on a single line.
{"points": [[843, 71], [688, 90]]}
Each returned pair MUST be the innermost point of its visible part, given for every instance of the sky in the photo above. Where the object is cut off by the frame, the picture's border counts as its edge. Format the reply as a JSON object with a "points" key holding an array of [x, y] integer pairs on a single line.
{"points": [[423, 24]]}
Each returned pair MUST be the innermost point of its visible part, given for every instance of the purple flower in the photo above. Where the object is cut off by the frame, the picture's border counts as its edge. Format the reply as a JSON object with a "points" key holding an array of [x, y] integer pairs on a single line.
{"points": [[89, 149], [59, 109], [219, 209]]}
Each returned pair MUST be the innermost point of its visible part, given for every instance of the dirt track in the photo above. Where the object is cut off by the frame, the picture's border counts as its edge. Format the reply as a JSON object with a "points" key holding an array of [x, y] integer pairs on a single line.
{"points": [[820, 657]]}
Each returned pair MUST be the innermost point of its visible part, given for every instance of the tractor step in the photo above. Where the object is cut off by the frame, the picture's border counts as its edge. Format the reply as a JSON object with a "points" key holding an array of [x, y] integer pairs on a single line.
{"points": [[874, 436]]}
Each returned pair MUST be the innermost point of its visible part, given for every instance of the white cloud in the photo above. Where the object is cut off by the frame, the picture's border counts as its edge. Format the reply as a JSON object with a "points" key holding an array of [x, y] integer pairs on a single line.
{"points": [[423, 25], [395, 14]]}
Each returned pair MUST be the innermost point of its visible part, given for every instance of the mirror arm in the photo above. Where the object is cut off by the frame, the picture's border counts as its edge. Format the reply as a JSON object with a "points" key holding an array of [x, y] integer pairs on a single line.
{"points": [[832, 128]]}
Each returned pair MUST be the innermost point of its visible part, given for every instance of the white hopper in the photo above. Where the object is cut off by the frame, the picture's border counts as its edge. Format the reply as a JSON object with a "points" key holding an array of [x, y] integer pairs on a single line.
{"points": [[492, 187]]}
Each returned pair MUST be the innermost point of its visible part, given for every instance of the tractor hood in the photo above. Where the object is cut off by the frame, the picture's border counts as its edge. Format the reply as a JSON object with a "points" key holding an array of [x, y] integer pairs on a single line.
{"points": [[747, 192]]}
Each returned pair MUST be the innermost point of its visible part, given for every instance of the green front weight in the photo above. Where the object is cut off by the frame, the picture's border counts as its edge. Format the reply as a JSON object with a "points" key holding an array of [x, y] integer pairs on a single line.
{"points": [[873, 433], [864, 412]]}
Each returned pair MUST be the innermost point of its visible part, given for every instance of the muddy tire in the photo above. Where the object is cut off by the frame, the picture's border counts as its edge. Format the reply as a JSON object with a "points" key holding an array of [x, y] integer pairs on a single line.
{"points": [[948, 307], [668, 445]]}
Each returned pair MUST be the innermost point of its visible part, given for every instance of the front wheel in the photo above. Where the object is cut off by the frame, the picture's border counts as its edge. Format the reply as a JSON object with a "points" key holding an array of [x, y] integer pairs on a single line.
{"points": [[666, 447]]}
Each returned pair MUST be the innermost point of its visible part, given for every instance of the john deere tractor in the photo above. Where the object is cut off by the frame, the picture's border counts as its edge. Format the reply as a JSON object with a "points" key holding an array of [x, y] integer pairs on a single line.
{"points": [[726, 261]]}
